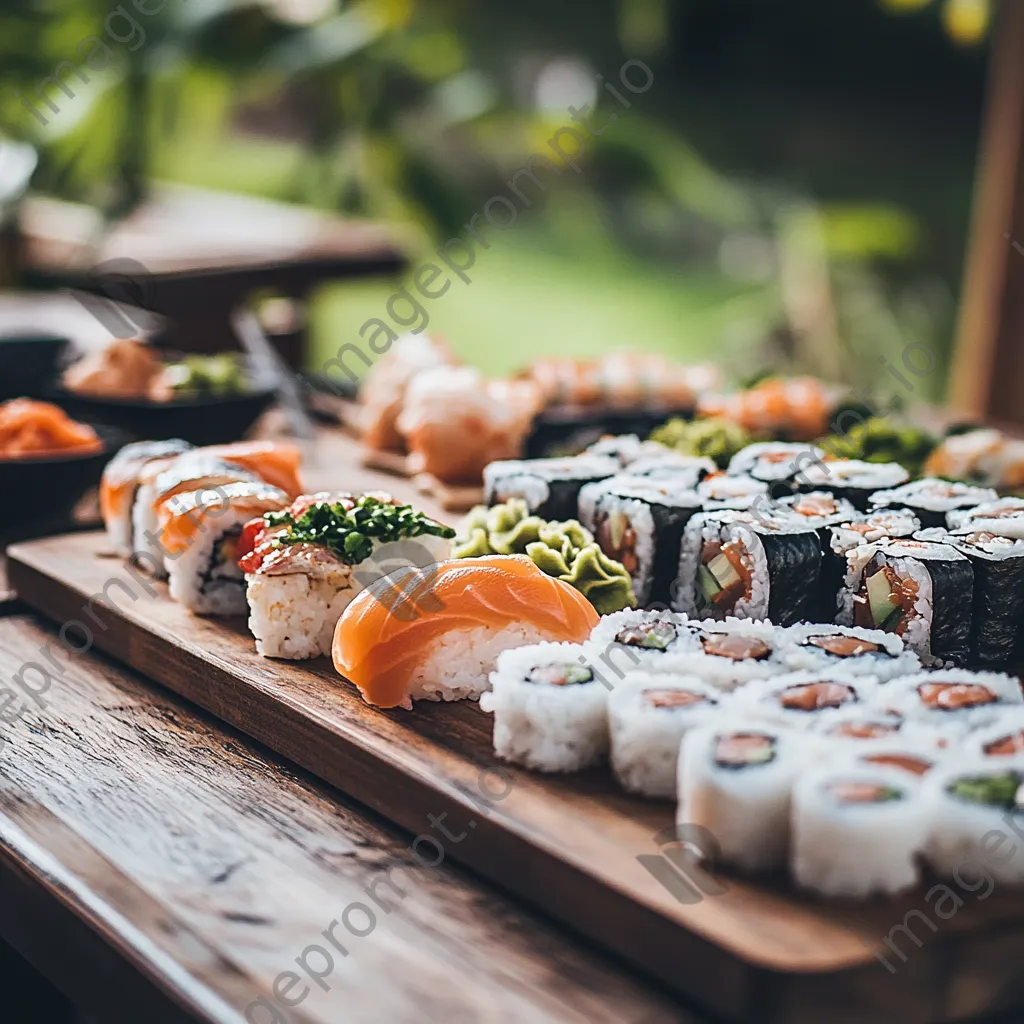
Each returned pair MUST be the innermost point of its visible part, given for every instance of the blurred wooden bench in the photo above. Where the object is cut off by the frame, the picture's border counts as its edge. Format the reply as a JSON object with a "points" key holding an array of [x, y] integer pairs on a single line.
{"points": [[194, 257]]}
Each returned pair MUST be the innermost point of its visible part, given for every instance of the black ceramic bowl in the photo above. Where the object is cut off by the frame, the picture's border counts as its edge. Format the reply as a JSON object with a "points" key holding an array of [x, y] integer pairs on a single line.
{"points": [[42, 490], [198, 420], [28, 362]]}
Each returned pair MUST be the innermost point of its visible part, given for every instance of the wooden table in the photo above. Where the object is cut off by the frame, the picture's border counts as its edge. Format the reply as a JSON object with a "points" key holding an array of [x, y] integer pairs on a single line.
{"points": [[156, 866]]}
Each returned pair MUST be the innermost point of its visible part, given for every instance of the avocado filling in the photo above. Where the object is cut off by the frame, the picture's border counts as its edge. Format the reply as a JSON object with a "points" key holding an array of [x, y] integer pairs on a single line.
{"points": [[560, 675], [1001, 790], [744, 749], [654, 636], [617, 539], [885, 600], [862, 793], [723, 576]]}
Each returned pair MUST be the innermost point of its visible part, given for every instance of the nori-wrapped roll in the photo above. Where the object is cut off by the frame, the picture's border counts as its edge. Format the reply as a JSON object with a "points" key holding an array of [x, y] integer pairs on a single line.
{"points": [[998, 606], [921, 590], [931, 499], [639, 522], [754, 566], [852, 479], [550, 487]]}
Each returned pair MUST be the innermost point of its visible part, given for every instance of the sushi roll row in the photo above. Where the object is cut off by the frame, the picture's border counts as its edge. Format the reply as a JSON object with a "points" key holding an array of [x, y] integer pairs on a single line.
{"points": [[788, 535], [822, 750], [229, 529]]}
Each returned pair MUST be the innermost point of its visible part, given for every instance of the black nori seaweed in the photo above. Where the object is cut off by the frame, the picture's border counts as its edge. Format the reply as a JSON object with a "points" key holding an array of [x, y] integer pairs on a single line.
{"points": [[794, 568], [563, 494], [952, 602], [997, 609], [669, 523]]}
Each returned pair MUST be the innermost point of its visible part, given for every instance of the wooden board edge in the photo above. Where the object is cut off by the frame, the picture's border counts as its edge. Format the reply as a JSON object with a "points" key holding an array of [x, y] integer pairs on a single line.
{"points": [[654, 944]]}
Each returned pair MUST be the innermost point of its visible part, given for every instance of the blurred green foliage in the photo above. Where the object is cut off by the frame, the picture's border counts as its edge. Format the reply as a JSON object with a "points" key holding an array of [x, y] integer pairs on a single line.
{"points": [[420, 112]]}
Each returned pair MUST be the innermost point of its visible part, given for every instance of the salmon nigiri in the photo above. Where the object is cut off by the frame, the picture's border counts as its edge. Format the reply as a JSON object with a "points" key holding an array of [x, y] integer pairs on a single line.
{"points": [[434, 633]]}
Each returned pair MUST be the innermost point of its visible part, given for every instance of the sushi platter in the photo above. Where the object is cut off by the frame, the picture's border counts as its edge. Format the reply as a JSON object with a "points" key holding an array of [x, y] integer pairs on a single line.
{"points": [[345, 632]]}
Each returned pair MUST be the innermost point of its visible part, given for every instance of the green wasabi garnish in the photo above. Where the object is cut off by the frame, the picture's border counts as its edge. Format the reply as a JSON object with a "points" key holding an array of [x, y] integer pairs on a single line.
{"points": [[711, 438], [566, 551], [350, 532], [991, 790], [881, 440]]}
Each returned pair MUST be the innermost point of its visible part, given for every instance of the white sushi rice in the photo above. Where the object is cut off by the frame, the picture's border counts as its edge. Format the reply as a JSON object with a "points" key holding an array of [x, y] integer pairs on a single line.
{"points": [[855, 725], [545, 726], [798, 654], [969, 838], [904, 695], [772, 461], [460, 663], [777, 699], [723, 527], [646, 729], [735, 492], [623, 657], [856, 850], [728, 673], [684, 470], [746, 808], [204, 582], [296, 599], [933, 495], [1005, 518], [529, 479], [854, 473], [293, 616]]}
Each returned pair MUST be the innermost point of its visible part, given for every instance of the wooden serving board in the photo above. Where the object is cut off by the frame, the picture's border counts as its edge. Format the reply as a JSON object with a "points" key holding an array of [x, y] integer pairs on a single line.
{"points": [[758, 951]]}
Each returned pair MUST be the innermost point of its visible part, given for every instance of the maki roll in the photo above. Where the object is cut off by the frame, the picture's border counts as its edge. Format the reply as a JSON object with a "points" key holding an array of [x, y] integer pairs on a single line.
{"points": [[781, 466], [752, 566], [636, 639], [844, 537], [853, 480], [729, 654], [683, 470], [871, 651], [626, 448], [120, 483], [819, 509], [736, 775], [797, 698], [550, 711], [639, 522], [160, 483], [201, 531], [998, 607], [931, 499], [971, 803], [921, 591], [722, 491], [550, 487], [953, 697], [859, 723], [1004, 517], [857, 831], [648, 715]]}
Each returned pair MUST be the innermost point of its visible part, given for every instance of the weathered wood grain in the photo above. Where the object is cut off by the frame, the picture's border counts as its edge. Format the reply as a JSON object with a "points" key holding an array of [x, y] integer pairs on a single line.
{"points": [[759, 951], [162, 868]]}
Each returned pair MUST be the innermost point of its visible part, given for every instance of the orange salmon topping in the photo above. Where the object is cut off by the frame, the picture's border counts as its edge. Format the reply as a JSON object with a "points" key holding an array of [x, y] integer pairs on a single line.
{"points": [[386, 632]]}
